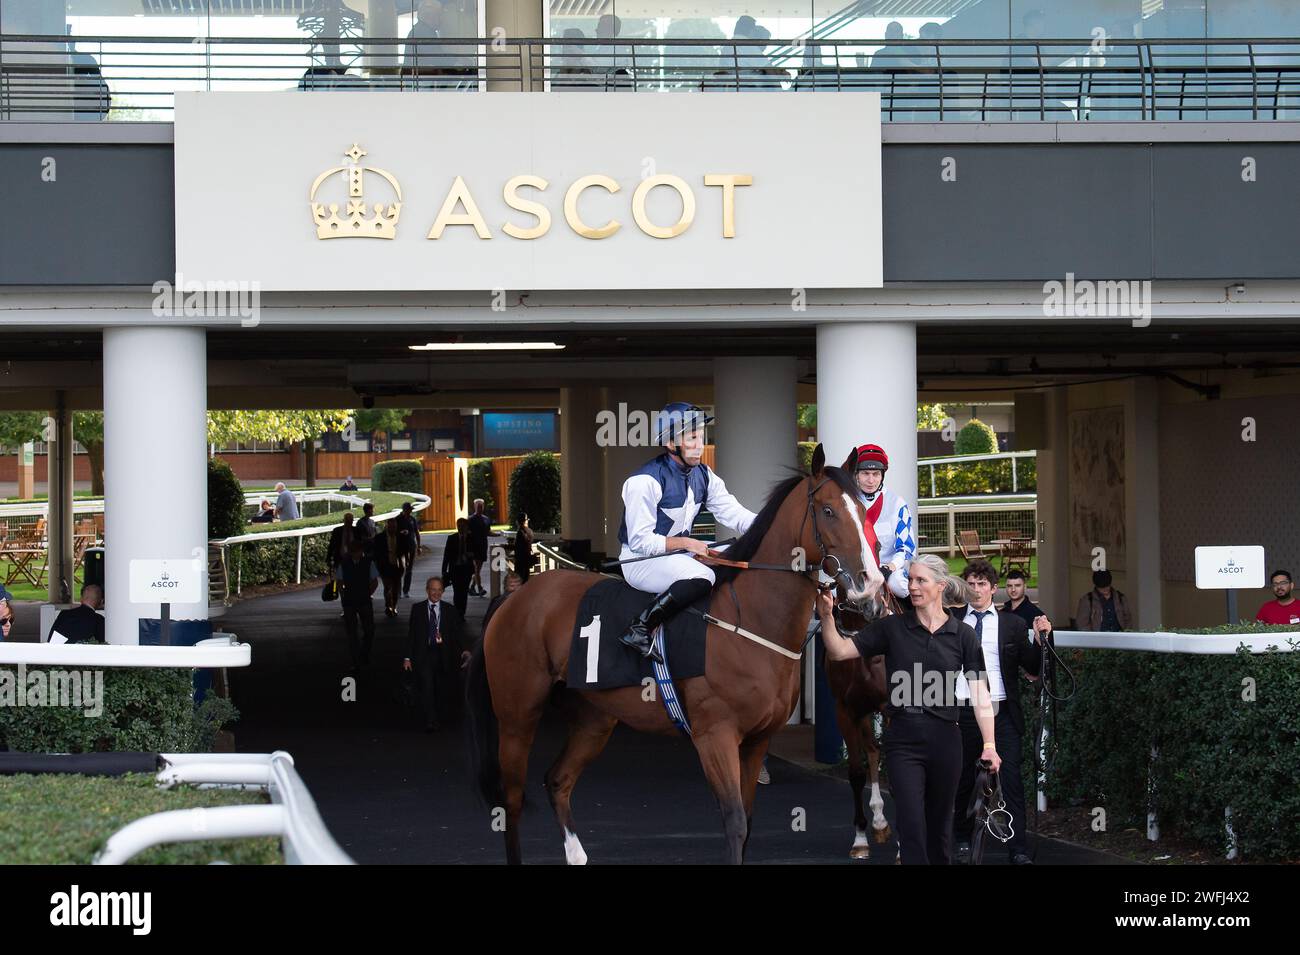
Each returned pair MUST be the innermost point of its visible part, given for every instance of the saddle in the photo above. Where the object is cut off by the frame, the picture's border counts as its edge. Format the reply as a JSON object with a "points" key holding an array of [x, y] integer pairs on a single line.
{"points": [[598, 661]]}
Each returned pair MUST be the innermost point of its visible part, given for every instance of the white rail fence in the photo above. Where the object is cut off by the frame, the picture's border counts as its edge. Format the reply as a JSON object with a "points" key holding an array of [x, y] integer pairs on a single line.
{"points": [[1165, 642], [419, 502]]}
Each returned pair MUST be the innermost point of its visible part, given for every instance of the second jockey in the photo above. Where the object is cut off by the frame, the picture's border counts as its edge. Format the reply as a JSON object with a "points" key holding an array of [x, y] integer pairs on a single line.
{"points": [[887, 513], [660, 503]]}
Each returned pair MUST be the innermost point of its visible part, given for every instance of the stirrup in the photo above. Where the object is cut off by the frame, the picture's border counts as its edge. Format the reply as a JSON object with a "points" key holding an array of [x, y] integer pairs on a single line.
{"points": [[646, 649]]}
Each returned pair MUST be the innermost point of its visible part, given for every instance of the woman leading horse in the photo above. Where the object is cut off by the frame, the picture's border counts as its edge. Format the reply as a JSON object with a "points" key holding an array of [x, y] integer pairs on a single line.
{"points": [[810, 523]]}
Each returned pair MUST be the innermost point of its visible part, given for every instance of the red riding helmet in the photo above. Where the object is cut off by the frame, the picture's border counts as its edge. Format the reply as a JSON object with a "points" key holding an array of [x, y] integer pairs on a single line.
{"points": [[870, 457]]}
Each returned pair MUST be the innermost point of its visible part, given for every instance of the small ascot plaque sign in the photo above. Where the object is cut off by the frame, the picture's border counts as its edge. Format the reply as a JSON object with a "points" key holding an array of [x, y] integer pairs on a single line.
{"points": [[1229, 568], [175, 581]]}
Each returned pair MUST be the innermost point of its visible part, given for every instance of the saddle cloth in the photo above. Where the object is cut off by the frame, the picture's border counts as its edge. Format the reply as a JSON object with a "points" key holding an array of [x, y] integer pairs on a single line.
{"points": [[598, 661]]}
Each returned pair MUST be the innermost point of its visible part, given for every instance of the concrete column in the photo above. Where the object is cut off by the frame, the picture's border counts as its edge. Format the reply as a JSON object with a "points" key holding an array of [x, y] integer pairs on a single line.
{"points": [[1054, 511], [380, 23], [155, 464], [866, 391], [755, 403], [59, 478], [621, 459], [582, 481], [517, 18], [1142, 502]]}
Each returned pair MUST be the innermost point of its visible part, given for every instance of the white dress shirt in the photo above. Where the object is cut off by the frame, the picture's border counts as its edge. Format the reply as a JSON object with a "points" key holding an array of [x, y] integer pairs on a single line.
{"points": [[987, 631]]}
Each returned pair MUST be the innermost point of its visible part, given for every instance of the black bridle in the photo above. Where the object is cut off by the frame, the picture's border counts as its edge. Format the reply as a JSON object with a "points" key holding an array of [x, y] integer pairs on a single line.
{"points": [[838, 574]]}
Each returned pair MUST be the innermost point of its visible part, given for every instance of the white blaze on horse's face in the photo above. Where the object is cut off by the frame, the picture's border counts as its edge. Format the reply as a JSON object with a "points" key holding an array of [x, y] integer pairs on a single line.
{"points": [[873, 577]]}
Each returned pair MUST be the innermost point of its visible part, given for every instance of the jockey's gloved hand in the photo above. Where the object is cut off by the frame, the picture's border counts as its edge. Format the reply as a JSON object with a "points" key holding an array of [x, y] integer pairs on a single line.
{"points": [[886, 569]]}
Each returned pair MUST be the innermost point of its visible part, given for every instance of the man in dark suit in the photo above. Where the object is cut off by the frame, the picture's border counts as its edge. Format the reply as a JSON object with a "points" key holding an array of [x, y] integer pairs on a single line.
{"points": [[1008, 649], [82, 624], [513, 583], [436, 651], [340, 542]]}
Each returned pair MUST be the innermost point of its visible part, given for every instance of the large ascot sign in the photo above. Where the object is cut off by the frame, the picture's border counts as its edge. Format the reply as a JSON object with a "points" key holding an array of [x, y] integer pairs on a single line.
{"points": [[436, 191]]}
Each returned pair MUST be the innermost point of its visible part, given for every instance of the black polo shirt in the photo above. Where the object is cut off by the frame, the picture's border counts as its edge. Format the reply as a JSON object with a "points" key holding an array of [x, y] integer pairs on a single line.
{"points": [[1027, 611], [911, 649]]}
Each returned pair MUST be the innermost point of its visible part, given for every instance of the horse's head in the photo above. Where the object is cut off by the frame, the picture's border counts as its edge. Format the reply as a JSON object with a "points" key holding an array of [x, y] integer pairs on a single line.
{"points": [[835, 533]]}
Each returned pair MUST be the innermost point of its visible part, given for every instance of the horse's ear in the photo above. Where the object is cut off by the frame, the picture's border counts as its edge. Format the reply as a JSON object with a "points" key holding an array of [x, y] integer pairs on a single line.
{"points": [[851, 462], [818, 461]]}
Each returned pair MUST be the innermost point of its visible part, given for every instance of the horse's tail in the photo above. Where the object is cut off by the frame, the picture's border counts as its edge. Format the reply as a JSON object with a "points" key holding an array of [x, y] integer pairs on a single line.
{"points": [[484, 760]]}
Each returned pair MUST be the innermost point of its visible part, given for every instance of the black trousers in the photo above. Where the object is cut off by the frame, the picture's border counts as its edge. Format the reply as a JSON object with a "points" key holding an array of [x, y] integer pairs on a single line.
{"points": [[359, 617], [1010, 746], [438, 690], [461, 575], [410, 569], [923, 753]]}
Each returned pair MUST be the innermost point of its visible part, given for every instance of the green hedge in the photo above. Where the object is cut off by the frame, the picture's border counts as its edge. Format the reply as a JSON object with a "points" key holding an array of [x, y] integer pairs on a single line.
{"points": [[978, 477], [398, 476], [535, 491], [226, 510], [274, 561], [144, 710], [1216, 748]]}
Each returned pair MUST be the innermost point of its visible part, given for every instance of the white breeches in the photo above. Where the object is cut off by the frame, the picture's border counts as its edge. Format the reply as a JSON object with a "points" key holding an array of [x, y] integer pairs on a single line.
{"points": [[656, 575]]}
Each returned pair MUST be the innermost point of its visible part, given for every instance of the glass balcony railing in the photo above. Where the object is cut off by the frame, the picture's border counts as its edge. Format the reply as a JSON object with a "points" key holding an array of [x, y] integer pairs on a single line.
{"points": [[104, 78]]}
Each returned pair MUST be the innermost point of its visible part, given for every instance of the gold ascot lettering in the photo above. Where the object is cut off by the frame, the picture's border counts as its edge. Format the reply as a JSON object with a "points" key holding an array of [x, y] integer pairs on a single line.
{"points": [[459, 207], [448, 215], [728, 182], [571, 207], [515, 201], [688, 206]]}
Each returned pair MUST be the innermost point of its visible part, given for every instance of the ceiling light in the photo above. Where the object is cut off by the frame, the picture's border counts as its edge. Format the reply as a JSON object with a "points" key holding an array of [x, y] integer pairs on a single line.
{"points": [[486, 346]]}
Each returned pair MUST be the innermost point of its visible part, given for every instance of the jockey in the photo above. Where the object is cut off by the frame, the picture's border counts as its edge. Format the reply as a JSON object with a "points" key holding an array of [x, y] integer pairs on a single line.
{"points": [[660, 502], [887, 513]]}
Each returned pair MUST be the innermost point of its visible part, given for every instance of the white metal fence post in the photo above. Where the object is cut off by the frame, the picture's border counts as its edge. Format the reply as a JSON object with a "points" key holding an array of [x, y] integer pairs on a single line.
{"points": [[299, 569], [952, 530]]}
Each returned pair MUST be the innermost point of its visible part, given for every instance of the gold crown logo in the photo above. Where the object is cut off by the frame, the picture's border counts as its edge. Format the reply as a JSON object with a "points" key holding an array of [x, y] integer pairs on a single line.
{"points": [[354, 224]]}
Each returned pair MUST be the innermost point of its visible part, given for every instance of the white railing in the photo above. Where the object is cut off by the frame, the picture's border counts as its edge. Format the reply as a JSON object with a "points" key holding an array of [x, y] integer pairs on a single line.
{"points": [[1012, 456], [419, 502], [292, 816], [987, 534], [1165, 642], [223, 650]]}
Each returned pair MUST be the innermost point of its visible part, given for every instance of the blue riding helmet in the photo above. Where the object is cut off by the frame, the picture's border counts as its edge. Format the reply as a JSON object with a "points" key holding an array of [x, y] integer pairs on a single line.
{"points": [[678, 417]]}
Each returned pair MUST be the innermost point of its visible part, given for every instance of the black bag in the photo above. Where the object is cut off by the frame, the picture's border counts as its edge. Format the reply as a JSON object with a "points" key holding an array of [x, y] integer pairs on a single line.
{"points": [[330, 591]]}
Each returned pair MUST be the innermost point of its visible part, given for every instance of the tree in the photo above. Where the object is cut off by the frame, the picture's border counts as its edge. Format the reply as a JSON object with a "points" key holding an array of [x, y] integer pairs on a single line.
{"points": [[808, 417], [88, 430], [228, 427], [930, 417]]}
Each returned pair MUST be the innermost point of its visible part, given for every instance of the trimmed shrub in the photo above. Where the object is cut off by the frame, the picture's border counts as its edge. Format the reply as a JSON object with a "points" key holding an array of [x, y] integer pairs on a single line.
{"points": [[1226, 731], [480, 485], [405, 475], [225, 501], [976, 438], [144, 710], [535, 491]]}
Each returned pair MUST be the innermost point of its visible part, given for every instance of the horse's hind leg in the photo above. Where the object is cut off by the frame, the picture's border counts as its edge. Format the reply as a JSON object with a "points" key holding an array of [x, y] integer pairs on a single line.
{"points": [[589, 731], [853, 741]]}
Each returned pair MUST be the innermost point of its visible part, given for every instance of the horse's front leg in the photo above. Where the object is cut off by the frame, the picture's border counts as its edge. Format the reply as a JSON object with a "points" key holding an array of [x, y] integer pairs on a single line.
{"points": [[719, 749]]}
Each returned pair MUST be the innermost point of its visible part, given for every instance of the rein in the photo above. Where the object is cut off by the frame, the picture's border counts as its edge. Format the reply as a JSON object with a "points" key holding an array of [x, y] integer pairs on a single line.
{"points": [[987, 806]]}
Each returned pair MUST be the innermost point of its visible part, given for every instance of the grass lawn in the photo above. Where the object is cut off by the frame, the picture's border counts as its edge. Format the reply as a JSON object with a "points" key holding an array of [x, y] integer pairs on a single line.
{"points": [[22, 588], [384, 501], [957, 564], [61, 819]]}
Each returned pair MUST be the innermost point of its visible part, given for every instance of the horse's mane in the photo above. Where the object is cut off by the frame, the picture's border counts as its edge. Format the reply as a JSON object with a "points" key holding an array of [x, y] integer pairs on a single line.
{"points": [[747, 545]]}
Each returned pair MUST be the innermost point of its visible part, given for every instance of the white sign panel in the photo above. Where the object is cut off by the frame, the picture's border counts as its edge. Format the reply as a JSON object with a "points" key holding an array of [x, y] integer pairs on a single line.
{"points": [[178, 581], [1229, 568], [354, 191]]}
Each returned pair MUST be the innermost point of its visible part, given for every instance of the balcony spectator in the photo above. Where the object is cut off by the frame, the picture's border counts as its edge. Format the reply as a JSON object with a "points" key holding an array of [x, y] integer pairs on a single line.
{"points": [[480, 529], [1018, 601], [265, 513], [1104, 608], [348, 484], [286, 507], [1284, 609], [82, 624], [359, 576]]}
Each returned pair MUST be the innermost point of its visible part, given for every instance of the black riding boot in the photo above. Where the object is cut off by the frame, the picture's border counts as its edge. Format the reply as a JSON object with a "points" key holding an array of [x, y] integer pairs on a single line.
{"points": [[681, 594]]}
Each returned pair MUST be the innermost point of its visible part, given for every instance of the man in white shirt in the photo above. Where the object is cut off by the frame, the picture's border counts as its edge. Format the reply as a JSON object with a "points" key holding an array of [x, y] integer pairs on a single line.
{"points": [[1008, 648], [660, 503]]}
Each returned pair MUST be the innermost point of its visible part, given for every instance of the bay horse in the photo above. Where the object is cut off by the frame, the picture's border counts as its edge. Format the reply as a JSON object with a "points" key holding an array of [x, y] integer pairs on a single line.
{"points": [[746, 694]]}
